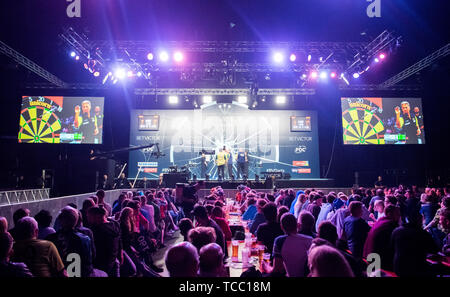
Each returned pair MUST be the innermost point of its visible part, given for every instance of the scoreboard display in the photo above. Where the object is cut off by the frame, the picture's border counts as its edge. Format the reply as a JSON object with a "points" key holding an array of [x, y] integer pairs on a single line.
{"points": [[300, 124]]}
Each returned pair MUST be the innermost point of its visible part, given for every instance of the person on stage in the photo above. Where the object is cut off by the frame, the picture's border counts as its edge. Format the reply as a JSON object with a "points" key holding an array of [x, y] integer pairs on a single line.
{"points": [[229, 163], [419, 117], [86, 123], [241, 159], [221, 161], [407, 123], [203, 165], [122, 182], [104, 183]]}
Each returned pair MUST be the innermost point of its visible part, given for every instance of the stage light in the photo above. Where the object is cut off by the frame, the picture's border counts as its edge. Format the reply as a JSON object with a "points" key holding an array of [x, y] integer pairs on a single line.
{"points": [[173, 99], [333, 75], [280, 99], [309, 58], [242, 99], [314, 74], [77, 58], [114, 81], [323, 75], [164, 56], [304, 76], [150, 56], [377, 60], [130, 73], [207, 99], [96, 73], [382, 56], [178, 57], [293, 57], [139, 74], [263, 99], [73, 54], [356, 75], [278, 57], [344, 79], [120, 73]]}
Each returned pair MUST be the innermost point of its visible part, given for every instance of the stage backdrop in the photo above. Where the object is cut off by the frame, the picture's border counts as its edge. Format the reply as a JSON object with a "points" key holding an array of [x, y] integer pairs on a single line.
{"points": [[276, 140]]}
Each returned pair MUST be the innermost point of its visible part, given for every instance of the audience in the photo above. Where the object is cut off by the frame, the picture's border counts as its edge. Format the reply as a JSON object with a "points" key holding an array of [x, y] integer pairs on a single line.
{"points": [[119, 241]]}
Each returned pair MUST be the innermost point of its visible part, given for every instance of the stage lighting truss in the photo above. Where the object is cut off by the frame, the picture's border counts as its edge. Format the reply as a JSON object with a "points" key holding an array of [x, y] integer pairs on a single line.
{"points": [[227, 61]]}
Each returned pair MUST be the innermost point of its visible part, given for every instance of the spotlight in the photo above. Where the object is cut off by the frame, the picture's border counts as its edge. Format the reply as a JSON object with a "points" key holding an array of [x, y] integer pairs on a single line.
{"points": [[333, 74], [304, 76], [173, 99], [77, 58], [207, 99], [178, 57], [139, 74], [164, 56], [263, 99], [382, 56], [280, 99], [309, 58], [377, 60], [278, 57], [314, 74], [293, 57], [150, 56], [96, 73], [229, 106], [356, 75], [130, 73], [323, 75], [120, 73], [114, 81], [73, 54], [242, 99]]}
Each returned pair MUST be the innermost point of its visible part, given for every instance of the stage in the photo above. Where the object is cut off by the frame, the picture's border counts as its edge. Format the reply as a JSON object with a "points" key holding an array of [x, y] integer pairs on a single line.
{"points": [[261, 184]]}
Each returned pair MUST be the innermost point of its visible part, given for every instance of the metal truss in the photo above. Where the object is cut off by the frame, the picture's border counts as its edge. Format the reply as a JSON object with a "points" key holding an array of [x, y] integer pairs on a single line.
{"points": [[21, 196], [375, 87], [221, 92], [30, 65], [424, 63], [81, 45]]}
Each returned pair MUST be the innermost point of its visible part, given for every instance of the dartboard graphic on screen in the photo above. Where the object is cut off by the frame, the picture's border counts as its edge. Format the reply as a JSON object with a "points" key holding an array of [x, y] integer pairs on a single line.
{"points": [[39, 122], [57, 119], [382, 121]]}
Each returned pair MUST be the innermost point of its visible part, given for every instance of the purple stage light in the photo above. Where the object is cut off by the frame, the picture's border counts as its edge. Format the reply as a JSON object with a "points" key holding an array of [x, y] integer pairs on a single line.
{"points": [[356, 75], [293, 57], [150, 56], [178, 56], [278, 57], [382, 56], [164, 56], [314, 74]]}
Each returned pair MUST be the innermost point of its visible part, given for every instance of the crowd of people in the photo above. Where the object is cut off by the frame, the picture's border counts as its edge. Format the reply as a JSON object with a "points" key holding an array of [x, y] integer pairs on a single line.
{"points": [[307, 233]]}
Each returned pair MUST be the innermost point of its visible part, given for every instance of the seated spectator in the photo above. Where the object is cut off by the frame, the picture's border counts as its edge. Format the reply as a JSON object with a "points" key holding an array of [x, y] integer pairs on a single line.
{"points": [[67, 240], [107, 239], [280, 212], [203, 220], [87, 204], [41, 256], [17, 215], [289, 250], [445, 223], [182, 260], [8, 268], [294, 202], [185, 225], [251, 210], [211, 261], [268, 231], [201, 236], [411, 245], [379, 210], [315, 206], [306, 224], [218, 216], [378, 238], [299, 204], [101, 201], [3, 225], [44, 219], [117, 205], [150, 211], [328, 232], [326, 261], [324, 210], [428, 209], [355, 229], [379, 196], [259, 217]]}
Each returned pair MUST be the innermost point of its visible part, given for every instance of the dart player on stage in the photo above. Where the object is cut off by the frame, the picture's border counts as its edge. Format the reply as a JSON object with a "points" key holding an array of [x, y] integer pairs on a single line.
{"points": [[221, 161], [241, 159], [203, 165], [229, 162], [86, 123]]}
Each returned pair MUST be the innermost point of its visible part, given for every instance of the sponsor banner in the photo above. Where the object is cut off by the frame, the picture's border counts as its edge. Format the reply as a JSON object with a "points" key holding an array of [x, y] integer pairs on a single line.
{"points": [[300, 149], [300, 138], [150, 170], [304, 170], [300, 163], [147, 164]]}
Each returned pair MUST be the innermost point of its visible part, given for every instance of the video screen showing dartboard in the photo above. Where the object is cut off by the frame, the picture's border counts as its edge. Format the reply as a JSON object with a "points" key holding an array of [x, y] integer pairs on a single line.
{"points": [[57, 119], [382, 121]]}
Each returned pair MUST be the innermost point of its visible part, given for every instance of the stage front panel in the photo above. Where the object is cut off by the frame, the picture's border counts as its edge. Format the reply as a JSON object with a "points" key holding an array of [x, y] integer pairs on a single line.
{"points": [[282, 141]]}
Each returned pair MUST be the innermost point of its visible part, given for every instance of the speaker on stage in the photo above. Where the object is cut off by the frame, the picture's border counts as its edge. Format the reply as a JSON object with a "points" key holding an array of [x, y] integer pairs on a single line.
{"points": [[171, 179]]}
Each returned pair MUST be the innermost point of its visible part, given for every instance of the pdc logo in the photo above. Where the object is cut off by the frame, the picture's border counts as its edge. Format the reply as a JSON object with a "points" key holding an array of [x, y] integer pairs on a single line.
{"points": [[300, 149]]}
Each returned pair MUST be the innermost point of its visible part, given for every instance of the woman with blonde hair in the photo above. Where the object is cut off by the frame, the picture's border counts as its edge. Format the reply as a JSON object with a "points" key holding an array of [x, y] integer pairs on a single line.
{"points": [[326, 261]]}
